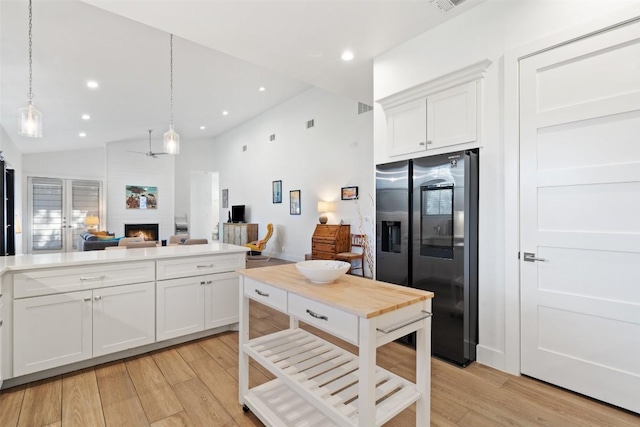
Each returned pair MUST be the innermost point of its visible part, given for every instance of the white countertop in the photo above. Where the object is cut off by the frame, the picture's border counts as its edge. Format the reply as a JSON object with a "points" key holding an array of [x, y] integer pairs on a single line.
{"points": [[29, 262]]}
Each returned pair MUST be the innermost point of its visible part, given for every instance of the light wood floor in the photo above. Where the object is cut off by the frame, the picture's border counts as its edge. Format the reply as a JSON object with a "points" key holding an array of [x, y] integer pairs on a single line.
{"points": [[194, 384]]}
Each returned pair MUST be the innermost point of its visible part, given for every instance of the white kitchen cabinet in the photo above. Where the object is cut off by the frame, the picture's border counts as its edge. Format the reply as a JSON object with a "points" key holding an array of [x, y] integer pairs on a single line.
{"points": [[123, 317], [51, 331], [1, 331], [439, 113], [180, 307], [59, 329], [221, 300], [452, 116], [193, 304], [407, 128]]}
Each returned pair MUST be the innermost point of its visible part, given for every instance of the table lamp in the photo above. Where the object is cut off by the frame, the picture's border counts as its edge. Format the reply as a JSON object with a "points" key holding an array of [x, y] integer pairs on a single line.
{"points": [[91, 221], [324, 208]]}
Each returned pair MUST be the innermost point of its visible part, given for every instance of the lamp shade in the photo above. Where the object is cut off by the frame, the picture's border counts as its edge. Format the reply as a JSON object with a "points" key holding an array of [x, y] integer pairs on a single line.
{"points": [[91, 220], [30, 121], [325, 207]]}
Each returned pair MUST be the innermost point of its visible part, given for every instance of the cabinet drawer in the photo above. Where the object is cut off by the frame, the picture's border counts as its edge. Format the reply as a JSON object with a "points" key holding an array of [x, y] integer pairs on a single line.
{"points": [[323, 255], [266, 294], [196, 266], [336, 322], [323, 247], [69, 279]]}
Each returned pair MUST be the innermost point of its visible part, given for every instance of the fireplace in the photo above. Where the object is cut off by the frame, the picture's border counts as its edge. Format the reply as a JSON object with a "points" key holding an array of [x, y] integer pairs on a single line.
{"points": [[148, 231]]}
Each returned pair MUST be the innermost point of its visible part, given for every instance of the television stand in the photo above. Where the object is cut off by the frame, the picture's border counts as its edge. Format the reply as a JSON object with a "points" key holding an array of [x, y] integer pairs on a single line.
{"points": [[239, 233]]}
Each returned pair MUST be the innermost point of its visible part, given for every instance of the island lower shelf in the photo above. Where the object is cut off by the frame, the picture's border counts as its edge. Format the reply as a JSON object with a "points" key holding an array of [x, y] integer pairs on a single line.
{"points": [[326, 375]]}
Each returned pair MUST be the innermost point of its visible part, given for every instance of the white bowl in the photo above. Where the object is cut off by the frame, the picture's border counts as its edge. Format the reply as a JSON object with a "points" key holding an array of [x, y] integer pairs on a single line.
{"points": [[322, 271]]}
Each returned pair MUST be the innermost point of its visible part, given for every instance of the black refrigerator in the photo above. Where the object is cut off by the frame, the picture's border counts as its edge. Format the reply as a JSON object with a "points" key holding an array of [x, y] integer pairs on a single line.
{"points": [[427, 238]]}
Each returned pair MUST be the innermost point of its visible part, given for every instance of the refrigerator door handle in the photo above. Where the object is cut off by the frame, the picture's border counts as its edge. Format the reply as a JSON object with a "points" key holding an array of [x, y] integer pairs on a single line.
{"points": [[395, 328]]}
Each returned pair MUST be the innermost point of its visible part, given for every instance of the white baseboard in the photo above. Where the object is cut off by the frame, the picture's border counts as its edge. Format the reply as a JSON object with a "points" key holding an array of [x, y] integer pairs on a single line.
{"points": [[492, 357]]}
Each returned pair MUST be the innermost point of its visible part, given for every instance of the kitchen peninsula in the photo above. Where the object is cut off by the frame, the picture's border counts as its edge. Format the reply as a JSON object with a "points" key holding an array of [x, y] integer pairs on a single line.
{"points": [[68, 311], [317, 381]]}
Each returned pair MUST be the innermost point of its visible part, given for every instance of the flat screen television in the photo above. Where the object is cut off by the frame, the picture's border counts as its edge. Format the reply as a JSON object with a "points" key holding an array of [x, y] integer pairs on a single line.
{"points": [[237, 213]]}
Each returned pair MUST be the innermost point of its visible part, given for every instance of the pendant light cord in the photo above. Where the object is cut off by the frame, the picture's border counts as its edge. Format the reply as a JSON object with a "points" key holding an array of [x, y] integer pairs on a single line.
{"points": [[30, 95], [171, 78]]}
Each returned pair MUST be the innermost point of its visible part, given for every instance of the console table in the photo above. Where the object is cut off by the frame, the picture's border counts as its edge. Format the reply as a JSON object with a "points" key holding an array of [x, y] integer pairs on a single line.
{"points": [[239, 233], [320, 383]]}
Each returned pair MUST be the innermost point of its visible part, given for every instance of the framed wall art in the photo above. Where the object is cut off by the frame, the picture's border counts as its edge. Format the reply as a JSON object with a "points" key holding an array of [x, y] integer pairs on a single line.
{"points": [[276, 191], [349, 193], [225, 198], [294, 202], [141, 197]]}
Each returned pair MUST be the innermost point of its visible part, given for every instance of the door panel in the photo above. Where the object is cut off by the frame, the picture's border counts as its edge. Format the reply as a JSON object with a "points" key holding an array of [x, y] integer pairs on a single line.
{"points": [[579, 195]]}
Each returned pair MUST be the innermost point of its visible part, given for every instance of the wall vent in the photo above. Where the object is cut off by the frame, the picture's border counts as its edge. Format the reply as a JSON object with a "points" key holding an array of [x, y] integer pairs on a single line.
{"points": [[244, 148], [272, 137], [445, 5], [363, 108], [310, 123]]}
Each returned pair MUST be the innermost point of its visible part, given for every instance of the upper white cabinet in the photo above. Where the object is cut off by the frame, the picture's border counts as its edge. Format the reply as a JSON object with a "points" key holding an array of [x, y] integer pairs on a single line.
{"points": [[439, 113]]}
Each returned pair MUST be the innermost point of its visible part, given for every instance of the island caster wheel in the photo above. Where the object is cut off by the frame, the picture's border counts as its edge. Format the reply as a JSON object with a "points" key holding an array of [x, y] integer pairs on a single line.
{"points": [[245, 408]]}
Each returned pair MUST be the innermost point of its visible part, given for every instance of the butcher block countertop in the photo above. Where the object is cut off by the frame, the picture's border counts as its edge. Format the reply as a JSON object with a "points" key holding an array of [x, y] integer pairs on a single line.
{"points": [[362, 297]]}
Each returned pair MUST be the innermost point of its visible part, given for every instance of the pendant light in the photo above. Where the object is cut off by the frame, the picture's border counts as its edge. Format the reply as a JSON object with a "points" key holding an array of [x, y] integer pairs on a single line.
{"points": [[30, 118], [171, 138]]}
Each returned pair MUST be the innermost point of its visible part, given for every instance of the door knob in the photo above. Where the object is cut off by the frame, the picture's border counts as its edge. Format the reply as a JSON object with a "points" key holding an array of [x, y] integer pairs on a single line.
{"points": [[531, 257]]}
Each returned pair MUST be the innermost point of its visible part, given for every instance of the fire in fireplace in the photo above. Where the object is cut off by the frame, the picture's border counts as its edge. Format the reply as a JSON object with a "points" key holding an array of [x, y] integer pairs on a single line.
{"points": [[148, 231]]}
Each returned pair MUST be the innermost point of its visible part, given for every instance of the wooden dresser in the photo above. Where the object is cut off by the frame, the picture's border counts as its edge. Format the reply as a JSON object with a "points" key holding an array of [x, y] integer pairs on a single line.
{"points": [[329, 240], [239, 233]]}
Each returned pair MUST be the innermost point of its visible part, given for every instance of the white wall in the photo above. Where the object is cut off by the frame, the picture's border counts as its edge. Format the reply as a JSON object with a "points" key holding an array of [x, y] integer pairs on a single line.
{"points": [[487, 31], [127, 168], [336, 152]]}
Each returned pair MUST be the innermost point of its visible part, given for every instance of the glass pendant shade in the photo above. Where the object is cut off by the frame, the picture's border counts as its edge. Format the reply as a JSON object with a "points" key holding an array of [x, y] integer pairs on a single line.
{"points": [[30, 121], [171, 141]]}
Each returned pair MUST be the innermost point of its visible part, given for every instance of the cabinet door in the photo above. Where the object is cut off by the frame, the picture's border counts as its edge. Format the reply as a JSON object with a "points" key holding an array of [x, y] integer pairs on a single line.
{"points": [[407, 128], [452, 116], [51, 331], [123, 317], [180, 307], [221, 300]]}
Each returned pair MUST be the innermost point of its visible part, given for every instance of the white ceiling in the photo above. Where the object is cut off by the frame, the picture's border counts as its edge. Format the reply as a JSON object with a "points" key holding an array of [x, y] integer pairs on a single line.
{"points": [[223, 51]]}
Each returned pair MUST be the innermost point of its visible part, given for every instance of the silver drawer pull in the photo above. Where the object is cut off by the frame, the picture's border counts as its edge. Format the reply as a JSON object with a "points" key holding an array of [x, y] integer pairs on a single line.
{"points": [[388, 331], [316, 315], [0, 322], [87, 298], [98, 298], [202, 283], [205, 266], [88, 278], [262, 294]]}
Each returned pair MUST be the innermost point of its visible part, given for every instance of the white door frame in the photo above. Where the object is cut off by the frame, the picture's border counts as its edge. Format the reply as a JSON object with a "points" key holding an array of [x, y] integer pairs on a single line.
{"points": [[512, 166]]}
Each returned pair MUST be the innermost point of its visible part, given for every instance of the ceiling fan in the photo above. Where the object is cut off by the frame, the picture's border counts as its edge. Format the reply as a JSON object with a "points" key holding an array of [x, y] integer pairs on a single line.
{"points": [[149, 153]]}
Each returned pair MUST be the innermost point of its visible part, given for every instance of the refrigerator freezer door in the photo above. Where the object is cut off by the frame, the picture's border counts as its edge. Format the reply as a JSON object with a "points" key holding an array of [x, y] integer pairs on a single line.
{"points": [[392, 222]]}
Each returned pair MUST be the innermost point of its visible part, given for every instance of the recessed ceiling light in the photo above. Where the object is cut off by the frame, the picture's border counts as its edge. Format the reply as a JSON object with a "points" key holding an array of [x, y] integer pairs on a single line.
{"points": [[202, 128], [347, 55], [86, 117], [262, 89], [82, 134], [92, 84], [225, 113]]}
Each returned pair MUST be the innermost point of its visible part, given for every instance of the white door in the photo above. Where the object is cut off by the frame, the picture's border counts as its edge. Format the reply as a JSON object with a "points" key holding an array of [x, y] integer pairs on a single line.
{"points": [[123, 317], [580, 212], [221, 300], [180, 307], [57, 209], [50, 331]]}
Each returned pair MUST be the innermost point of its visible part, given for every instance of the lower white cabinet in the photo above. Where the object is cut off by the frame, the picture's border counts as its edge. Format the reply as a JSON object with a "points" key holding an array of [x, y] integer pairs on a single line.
{"points": [[123, 318], [59, 329], [193, 304]]}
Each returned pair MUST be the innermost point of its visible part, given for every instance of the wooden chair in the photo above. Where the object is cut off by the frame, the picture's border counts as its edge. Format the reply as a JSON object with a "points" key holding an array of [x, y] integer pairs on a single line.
{"points": [[146, 244], [260, 245], [196, 242], [357, 241]]}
